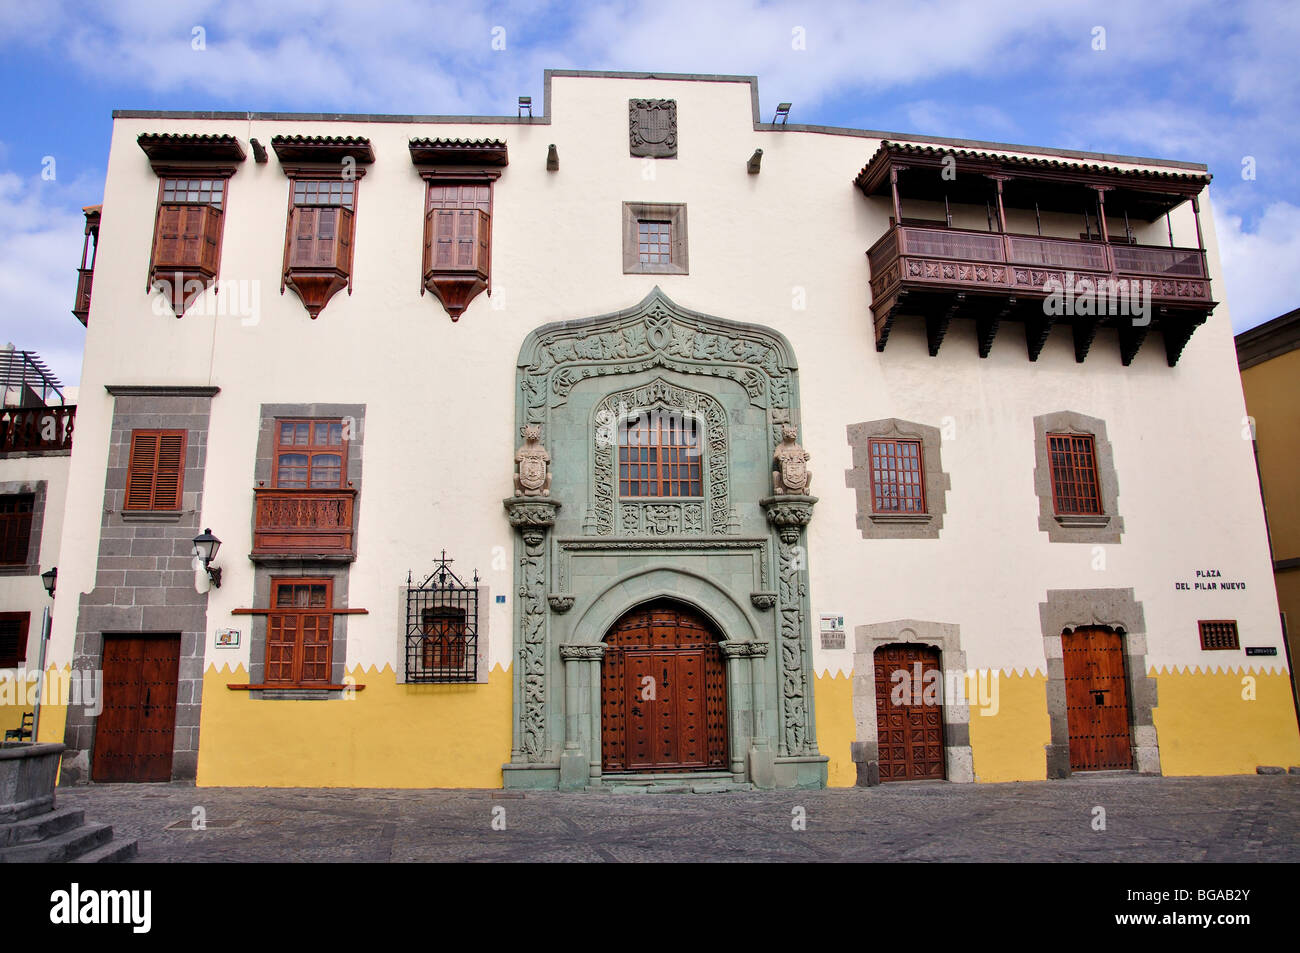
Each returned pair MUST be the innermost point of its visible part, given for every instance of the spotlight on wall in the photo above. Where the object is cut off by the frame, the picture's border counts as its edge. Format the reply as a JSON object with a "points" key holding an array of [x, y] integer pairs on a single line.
{"points": [[48, 578], [205, 547], [782, 114], [526, 102]]}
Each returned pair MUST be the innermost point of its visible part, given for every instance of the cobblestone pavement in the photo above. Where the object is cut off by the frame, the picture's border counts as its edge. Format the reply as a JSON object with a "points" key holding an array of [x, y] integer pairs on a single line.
{"points": [[1230, 819]]}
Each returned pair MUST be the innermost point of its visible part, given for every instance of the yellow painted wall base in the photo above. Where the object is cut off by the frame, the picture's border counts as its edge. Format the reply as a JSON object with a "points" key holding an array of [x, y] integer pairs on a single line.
{"points": [[1205, 726], [1011, 744], [836, 729], [388, 736]]}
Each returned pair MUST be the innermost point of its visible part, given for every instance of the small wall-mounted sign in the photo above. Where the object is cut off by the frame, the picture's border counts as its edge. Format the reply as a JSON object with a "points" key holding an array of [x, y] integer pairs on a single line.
{"points": [[1261, 650], [501, 600], [832, 631], [227, 638], [1208, 580]]}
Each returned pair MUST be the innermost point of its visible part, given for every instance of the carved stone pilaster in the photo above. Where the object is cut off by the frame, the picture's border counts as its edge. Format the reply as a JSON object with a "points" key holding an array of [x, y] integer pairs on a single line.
{"points": [[789, 514], [533, 518]]}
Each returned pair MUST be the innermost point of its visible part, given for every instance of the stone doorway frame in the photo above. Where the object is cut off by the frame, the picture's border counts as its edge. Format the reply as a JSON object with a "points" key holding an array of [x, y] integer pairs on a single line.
{"points": [[1117, 609], [959, 764]]}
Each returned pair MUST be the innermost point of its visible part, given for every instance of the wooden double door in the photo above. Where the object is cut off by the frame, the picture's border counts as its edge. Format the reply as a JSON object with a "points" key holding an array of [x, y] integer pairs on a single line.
{"points": [[136, 731], [909, 713], [1096, 700], [663, 691]]}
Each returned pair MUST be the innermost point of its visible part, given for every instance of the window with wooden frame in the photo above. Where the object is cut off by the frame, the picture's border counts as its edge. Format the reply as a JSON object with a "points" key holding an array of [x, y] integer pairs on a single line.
{"points": [[13, 638], [156, 473], [1075, 489], [457, 241], [1219, 634], [318, 239], [445, 640], [659, 456], [309, 455], [897, 476], [300, 632], [16, 527], [654, 238]]}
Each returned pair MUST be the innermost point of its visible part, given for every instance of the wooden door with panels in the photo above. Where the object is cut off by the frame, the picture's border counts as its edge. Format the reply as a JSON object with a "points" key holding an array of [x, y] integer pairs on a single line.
{"points": [[664, 704], [136, 731], [909, 713], [1096, 700]]}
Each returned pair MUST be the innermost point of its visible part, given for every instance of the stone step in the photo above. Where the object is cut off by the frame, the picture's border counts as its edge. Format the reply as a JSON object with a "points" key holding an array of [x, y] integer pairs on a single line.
{"points": [[60, 848], [114, 852], [40, 827], [693, 785]]}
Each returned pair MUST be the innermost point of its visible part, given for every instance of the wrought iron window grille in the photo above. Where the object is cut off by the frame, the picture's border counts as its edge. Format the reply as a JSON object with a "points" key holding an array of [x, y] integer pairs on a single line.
{"points": [[442, 626]]}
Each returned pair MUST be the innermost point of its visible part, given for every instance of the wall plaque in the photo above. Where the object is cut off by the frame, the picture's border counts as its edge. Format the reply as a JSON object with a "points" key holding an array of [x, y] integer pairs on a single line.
{"points": [[833, 632], [652, 127], [1261, 650]]}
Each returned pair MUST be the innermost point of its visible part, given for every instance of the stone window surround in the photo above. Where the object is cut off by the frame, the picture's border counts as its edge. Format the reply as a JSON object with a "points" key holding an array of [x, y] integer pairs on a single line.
{"points": [[481, 616], [165, 573], [288, 567], [1068, 609], [958, 761], [937, 483], [36, 488], [675, 213], [1107, 528]]}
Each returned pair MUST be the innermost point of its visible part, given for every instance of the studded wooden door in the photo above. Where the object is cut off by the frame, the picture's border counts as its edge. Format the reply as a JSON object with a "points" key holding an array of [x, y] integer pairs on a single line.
{"points": [[135, 732], [1096, 700], [664, 704], [909, 713]]}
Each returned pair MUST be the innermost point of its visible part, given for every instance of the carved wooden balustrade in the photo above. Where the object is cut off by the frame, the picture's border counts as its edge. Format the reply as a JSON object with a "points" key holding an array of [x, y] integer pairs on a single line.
{"points": [[941, 272], [306, 522], [37, 429]]}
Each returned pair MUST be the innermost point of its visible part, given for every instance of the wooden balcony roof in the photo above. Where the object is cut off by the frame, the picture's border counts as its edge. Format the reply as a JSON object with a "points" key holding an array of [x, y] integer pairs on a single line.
{"points": [[322, 148], [168, 147], [474, 152]]}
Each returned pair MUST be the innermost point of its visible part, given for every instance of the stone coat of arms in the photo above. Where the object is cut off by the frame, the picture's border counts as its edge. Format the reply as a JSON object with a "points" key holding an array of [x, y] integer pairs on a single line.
{"points": [[532, 473], [790, 473]]}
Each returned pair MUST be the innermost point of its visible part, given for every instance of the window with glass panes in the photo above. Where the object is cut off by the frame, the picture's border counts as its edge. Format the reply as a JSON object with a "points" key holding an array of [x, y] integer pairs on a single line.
{"points": [[897, 476], [16, 527], [193, 191], [309, 455], [322, 192], [1074, 474], [444, 637], [654, 242], [659, 455]]}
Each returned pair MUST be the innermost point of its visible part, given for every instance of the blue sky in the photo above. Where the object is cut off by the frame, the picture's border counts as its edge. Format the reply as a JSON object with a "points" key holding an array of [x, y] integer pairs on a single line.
{"points": [[1205, 82]]}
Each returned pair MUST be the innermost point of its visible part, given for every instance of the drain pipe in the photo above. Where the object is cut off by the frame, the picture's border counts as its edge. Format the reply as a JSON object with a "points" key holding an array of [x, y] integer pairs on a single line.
{"points": [[40, 689]]}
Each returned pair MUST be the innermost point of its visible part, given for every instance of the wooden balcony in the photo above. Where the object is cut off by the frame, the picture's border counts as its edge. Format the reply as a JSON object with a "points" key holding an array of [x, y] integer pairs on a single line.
{"points": [[81, 306], [940, 273], [37, 429], [304, 522]]}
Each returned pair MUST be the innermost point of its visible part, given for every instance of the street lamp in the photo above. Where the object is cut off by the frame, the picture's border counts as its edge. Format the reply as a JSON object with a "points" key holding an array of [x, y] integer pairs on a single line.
{"points": [[48, 579], [205, 547]]}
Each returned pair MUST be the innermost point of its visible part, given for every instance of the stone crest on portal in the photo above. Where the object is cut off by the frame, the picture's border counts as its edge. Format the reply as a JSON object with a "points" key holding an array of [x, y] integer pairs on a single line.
{"points": [[652, 127], [790, 473], [532, 472]]}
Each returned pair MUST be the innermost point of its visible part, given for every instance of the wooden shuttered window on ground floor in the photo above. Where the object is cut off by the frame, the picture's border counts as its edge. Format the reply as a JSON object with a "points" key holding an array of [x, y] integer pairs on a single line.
{"points": [[156, 474], [15, 528]]}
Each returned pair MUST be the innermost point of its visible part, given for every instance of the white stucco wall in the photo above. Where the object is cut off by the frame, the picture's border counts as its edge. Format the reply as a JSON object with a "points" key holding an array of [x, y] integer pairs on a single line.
{"points": [[440, 396]]}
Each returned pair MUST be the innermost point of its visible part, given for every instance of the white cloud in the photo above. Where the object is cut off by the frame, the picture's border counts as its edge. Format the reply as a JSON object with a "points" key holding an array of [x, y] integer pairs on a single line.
{"points": [[1260, 267]]}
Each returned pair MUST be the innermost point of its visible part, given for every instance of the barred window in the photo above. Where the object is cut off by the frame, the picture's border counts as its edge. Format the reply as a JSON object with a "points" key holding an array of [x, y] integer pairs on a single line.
{"points": [[659, 455], [1073, 462], [897, 476], [1219, 634], [442, 627]]}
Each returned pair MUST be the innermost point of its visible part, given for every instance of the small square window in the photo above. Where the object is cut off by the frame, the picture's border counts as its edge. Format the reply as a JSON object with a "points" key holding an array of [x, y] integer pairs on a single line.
{"points": [[654, 239], [1219, 634]]}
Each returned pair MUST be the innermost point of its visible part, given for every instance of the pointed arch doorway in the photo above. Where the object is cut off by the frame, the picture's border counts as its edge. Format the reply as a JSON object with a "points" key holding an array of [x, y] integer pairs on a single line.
{"points": [[663, 692]]}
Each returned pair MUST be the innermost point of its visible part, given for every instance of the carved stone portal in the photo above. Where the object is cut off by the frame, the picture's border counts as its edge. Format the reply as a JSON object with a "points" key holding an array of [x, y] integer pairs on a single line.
{"points": [[532, 477], [652, 127], [791, 475]]}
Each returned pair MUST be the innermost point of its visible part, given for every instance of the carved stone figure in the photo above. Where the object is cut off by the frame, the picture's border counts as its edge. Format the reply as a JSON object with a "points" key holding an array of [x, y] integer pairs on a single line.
{"points": [[790, 474], [532, 474]]}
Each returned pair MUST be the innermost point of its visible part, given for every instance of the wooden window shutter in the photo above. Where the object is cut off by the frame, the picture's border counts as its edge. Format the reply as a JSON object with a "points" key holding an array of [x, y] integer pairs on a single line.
{"points": [[210, 223], [156, 473], [167, 244], [13, 638], [466, 237], [484, 242], [304, 237], [444, 238], [326, 235]]}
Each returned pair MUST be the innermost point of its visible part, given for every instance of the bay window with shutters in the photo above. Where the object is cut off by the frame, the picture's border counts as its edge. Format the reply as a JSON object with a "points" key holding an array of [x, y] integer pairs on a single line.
{"points": [[459, 176], [308, 509], [155, 478], [194, 174], [324, 185]]}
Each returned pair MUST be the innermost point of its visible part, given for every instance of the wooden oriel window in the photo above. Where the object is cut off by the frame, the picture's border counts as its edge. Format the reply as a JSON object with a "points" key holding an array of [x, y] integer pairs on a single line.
{"points": [[897, 476], [444, 638], [458, 227], [1219, 634], [15, 528], [1075, 488], [187, 232], [310, 454], [659, 455], [300, 632], [156, 473], [318, 240], [13, 638]]}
